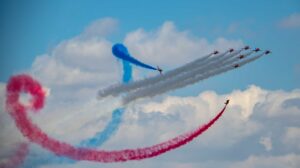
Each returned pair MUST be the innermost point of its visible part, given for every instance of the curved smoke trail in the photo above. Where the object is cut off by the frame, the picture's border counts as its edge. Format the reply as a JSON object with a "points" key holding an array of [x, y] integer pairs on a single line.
{"points": [[97, 140], [24, 83]]}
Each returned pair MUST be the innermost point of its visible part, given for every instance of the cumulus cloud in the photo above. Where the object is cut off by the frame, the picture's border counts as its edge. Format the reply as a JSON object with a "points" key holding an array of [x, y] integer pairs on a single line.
{"points": [[148, 122], [291, 137], [100, 28], [231, 142], [193, 110], [240, 121], [77, 62], [292, 21], [280, 104], [290, 161], [161, 46]]}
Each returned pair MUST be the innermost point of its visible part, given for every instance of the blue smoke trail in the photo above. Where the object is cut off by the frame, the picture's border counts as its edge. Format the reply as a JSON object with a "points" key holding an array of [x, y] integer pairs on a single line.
{"points": [[104, 135], [127, 72], [35, 160], [113, 125], [120, 51]]}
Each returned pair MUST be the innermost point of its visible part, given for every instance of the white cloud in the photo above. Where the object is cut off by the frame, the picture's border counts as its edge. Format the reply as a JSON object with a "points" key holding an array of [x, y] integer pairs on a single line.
{"points": [[291, 137], [292, 21], [150, 122], [195, 110], [276, 104], [77, 62], [170, 47], [184, 113], [100, 28], [290, 161]]}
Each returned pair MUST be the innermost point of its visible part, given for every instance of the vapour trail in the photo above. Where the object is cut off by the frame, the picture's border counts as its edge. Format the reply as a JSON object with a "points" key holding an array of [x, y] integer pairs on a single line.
{"points": [[197, 77], [209, 66], [213, 63], [198, 63], [165, 86], [120, 51], [17, 159], [179, 83], [24, 83]]}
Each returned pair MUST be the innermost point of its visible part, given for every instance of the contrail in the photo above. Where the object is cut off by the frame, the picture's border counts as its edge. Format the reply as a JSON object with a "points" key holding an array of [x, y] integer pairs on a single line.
{"points": [[189, 79], [17, 159], [216, 63], [18, 112], [166, 85], [197, 77], [117, 89]]}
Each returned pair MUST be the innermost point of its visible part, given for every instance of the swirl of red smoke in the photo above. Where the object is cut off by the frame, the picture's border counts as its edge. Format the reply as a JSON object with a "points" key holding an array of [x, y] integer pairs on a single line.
{"points": [[24, 83]]}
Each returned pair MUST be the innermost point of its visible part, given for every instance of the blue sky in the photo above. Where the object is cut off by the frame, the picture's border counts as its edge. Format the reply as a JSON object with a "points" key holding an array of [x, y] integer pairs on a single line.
{"points": [[30, 28]]}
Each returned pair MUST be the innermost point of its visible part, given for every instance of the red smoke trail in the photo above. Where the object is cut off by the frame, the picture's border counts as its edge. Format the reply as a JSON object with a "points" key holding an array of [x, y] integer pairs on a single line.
{"points": [[18, 158], [35, 134]]}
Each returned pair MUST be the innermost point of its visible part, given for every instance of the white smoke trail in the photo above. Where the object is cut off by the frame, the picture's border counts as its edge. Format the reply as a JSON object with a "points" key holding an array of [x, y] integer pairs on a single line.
{"points": [[165, 87], [201, 62], [195, 77], [216, 63]]}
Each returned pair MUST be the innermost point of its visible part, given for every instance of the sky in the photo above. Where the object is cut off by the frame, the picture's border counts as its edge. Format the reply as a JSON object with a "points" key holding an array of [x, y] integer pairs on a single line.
{"points": [[33, 27], [67, 46]]}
